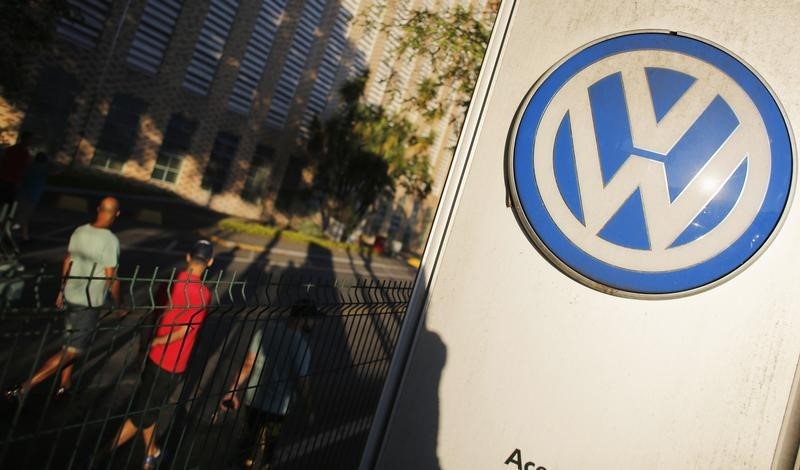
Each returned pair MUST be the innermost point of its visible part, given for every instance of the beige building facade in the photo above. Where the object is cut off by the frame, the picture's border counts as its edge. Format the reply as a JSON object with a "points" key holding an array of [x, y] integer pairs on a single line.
{"points": [[212, 99]]}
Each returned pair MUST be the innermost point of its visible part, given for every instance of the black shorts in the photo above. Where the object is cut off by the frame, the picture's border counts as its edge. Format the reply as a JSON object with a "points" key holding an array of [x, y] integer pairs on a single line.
{"points": [[80, 326], [152, 394]]}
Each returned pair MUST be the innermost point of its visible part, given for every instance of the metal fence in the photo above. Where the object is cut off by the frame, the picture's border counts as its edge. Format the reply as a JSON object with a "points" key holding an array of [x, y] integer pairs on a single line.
{"points": [[349, 329]]}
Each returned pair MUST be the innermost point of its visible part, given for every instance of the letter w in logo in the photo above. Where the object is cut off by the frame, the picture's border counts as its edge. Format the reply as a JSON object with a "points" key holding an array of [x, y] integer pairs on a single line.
{"points": [[652, 149]]}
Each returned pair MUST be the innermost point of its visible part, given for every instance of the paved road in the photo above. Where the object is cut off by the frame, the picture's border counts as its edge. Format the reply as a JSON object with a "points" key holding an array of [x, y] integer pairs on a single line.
{"points": [[164, 241]]}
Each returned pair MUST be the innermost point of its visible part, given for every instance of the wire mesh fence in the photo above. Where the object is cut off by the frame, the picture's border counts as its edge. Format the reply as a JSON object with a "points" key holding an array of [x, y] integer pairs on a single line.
{"points": [[10, 267], [265, 371]]}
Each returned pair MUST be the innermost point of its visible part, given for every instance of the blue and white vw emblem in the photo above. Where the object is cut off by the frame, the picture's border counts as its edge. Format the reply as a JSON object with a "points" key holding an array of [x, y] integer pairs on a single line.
{"points": [[651, 164]]}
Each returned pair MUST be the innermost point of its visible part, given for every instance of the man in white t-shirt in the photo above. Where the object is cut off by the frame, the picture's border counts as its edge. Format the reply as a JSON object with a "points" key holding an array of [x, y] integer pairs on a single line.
{"points": [[89, 273]]}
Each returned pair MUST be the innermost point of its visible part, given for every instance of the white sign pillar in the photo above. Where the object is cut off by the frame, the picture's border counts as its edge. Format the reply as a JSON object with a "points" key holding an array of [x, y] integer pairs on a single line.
{"points": [[678, 345]]}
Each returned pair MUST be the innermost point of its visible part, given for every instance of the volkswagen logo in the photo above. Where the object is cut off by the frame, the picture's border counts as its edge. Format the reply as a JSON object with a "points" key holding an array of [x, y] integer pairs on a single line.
{"points": [[651, 164]]}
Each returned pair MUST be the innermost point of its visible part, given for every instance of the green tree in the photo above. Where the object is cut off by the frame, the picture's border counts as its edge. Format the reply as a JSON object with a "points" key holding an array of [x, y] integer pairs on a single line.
{"points": [[362, 153], [26, 30], [453, 41]]}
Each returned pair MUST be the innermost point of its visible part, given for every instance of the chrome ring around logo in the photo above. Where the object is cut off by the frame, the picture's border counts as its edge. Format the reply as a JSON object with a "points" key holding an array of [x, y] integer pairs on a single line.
{"points": [[651, 164]]}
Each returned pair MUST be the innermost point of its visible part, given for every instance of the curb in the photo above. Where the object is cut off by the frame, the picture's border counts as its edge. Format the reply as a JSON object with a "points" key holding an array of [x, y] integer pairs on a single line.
{"points": [[216, 239], [232, 244]]}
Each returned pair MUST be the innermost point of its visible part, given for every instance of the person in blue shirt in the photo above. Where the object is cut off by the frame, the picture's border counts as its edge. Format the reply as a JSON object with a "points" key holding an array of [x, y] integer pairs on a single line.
{"points": [[275, 371], [30, 192]]}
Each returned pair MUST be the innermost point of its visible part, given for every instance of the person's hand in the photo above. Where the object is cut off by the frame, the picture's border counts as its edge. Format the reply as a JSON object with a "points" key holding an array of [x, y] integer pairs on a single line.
{"points": [[229, 402], [60, 301]]}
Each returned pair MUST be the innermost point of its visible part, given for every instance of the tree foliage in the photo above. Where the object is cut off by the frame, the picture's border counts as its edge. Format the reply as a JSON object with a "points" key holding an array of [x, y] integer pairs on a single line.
{"points": [[362, 153], [453, 41], [26, 29]]}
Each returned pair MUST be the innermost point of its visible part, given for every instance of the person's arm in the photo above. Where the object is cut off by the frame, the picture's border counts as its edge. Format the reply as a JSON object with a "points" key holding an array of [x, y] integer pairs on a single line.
{"points": [[176, 334], [304, 390], [109, 259], [244, 374], [299, 378], [64, 271], [113, 285], [113, 288]]}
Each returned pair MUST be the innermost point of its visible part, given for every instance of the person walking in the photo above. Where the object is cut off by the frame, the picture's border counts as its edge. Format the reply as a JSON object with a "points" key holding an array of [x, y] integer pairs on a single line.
{"points": [[13, 166], [30, 192], [173, 342], [275, 370], [88, 277]]}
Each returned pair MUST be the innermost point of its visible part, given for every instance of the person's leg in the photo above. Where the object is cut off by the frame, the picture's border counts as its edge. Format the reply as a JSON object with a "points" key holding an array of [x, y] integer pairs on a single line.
{"points": [[125, 434], [61, 358], [273, 426], [148, 435], [66, 377], [249, 440], [161, 384], [80, 326], [138, 404]]}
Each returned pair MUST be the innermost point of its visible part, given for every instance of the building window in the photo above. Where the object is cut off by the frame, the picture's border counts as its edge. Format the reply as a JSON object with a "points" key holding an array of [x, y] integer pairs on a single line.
{"points": [[49, 110], [86, 21], [292, 184], [389, 60], [326, 73], [255, 56], [155, 29], [220, 161], [295, 63], [177, 142], [118, 137], [210, 45], [257, 182]]}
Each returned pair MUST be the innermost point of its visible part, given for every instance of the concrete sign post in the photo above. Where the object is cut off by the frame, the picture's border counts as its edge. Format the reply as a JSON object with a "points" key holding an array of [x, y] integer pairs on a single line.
{"points": [[612, 279]]}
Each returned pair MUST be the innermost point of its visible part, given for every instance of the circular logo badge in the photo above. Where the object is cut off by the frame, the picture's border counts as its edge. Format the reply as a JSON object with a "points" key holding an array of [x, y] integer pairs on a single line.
{"points": [[650, 164]]}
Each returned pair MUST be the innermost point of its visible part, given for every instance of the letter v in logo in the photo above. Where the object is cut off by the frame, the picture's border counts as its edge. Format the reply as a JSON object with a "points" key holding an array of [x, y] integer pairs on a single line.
{"points": [[651, 164]]}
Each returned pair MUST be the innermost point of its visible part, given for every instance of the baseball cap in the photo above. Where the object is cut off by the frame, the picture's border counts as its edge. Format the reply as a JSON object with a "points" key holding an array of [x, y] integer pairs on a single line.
{"points": [[202, 250]]}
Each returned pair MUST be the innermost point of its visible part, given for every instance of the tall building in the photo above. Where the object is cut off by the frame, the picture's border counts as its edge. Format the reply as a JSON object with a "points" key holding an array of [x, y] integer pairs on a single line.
{"points": [[213, 99]]}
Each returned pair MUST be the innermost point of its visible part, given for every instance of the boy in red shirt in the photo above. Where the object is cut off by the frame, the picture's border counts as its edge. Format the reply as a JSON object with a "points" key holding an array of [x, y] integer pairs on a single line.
{"points": [[170, 349]]}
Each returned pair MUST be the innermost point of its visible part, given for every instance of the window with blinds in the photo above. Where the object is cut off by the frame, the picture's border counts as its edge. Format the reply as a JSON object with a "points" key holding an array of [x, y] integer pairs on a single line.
{"points": [[51, 106], [255, 56], [366, 42], [177, 142], [383, 71], [294, 66], [153, 34], [326, 72], [257, 182], [118, 137], [210, 45], [220, 162], [86, 21], [403, 67]]}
